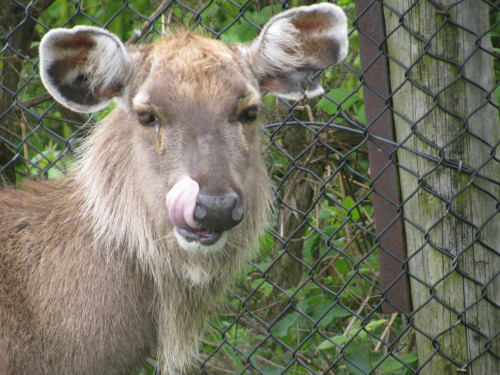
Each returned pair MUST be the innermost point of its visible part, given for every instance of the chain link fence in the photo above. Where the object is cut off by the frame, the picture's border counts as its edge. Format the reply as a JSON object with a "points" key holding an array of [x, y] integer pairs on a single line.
{"points": [[384, 254]]}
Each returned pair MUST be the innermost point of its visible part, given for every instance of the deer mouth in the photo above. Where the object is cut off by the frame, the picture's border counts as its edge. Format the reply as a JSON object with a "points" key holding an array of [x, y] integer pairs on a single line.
{"points": [[182, 200], [200, 241], [201, 236]]}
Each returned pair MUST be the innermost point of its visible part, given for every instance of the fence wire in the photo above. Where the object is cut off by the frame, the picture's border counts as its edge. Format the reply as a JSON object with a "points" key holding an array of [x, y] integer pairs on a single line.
{"points": [[363, 215]]}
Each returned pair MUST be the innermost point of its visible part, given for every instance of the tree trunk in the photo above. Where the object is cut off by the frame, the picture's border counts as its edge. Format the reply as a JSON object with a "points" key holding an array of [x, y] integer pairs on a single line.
{"points": [[442, 80], [297, 200]]}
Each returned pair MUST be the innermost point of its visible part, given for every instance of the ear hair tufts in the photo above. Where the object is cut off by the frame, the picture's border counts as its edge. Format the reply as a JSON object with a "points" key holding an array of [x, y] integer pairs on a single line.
{"points": [[277, 48], [116, 69], [85, 67]]}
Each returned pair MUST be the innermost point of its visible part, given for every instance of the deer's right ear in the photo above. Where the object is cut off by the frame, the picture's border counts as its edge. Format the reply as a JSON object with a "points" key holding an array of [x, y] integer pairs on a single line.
{"points": [[85, 67]]}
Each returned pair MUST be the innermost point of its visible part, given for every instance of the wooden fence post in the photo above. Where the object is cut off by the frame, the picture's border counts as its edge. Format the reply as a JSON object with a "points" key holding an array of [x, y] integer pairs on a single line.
{"points": [[447, 128]]}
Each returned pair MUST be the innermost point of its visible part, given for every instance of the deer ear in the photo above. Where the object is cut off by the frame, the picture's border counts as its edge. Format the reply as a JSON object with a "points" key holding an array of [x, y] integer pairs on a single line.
{"points": [[85, 67], [296, 43]]}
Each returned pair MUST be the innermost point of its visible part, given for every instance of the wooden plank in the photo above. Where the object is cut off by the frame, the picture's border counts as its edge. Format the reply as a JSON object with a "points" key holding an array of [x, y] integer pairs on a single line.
{"points": [[441, 83]]}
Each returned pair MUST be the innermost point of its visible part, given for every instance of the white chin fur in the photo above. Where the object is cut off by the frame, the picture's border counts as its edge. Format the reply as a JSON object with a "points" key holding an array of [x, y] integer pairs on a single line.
{"points": [[196, 247]]}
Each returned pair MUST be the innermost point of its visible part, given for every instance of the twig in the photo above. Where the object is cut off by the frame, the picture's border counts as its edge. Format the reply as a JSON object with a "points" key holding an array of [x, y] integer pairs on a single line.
{"points": [[258, 357], [66, 120], [23, 134], [265, 360], [385, 332], [233, 315], [411, 342], [360, 309], [330, 264], [307, 108], [151, 19], [36, 100]]}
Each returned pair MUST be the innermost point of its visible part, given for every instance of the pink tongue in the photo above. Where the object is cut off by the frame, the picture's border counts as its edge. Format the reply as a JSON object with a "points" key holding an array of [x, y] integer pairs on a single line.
{"points": [[181, 202]]}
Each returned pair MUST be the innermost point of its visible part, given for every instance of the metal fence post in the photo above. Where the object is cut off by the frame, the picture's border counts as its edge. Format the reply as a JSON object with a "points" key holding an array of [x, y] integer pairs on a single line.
{"points": [[380, 127]]}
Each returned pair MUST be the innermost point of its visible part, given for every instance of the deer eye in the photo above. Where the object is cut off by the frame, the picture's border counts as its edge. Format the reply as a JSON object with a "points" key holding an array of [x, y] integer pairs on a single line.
{"points": [[249, 114], [146, 118]]}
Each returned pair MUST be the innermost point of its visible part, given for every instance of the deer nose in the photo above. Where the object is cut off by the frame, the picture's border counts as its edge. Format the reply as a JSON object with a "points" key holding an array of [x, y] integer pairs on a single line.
{"points": [[218, 213]]}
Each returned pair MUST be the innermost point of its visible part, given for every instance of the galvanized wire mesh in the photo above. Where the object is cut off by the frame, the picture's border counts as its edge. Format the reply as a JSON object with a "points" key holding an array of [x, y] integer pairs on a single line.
{"points": [[311, 301]]}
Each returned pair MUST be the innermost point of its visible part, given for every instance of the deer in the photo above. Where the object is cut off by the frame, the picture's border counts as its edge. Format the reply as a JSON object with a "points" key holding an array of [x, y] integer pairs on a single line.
{"points": [[126, 256]]}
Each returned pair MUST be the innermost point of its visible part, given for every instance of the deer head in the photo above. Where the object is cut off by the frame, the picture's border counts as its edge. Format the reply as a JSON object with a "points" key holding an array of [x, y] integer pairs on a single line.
{"points": [[184, 135]]}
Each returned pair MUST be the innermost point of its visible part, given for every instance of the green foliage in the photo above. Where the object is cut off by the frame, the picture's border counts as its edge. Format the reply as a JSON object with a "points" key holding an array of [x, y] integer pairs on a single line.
{"points": [[356, 346], [49, 163], [343, 99]]}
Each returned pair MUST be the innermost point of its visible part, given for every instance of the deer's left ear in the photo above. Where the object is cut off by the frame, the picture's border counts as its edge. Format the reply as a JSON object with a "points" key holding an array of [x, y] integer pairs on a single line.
{"points": [[296, 43]]}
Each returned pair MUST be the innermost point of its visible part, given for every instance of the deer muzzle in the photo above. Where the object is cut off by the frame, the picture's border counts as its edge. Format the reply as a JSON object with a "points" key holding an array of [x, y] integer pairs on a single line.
{"points": [[200, 218]]}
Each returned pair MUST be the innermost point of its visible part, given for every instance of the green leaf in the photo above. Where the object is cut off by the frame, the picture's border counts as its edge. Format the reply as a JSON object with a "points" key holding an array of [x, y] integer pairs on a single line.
{"points": [[325, 345], [341, 96], [374, 324], [316, 311], [328, 344], [248, 32], [272, 370], [235, 358], [210, 12], [359, 111], [332, 315], [329, 230], [232, 9], [328, 212], [341, 265], [391, 364], [341, 340], [54, 173], [266, 241], [360, 358], [282, 328], [259, 18], [350, 208], [263, 286], [311, 244]]}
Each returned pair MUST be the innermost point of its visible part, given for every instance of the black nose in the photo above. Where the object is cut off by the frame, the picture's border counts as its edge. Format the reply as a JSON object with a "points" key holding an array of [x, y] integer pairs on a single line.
{"points": [[218, 213]]}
